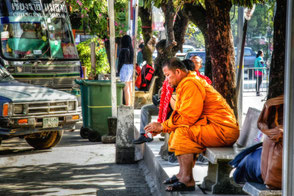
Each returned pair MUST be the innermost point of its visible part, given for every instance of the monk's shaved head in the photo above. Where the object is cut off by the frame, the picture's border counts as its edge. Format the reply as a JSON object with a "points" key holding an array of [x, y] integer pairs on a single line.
{"points": [[175, 63]]}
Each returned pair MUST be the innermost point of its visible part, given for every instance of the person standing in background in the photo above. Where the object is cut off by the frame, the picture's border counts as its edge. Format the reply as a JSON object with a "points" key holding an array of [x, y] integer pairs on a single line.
{"points": [[125, 67], [4, 39], [259, 72], [140, 59]]}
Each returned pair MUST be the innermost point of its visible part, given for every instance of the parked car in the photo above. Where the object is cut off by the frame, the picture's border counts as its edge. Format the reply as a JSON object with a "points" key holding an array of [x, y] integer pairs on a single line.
{"points": [[37, 114], [249, 57], [202, 55], [186, 49], [180, 55]]}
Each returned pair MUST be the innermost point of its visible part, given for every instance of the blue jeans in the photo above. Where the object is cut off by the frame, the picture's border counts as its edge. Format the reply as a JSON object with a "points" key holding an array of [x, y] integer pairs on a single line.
{"points": [[146, 112]]}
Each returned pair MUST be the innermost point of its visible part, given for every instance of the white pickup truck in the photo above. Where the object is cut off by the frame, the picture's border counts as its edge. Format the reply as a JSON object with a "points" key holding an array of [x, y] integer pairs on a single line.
{"points": [[37, 114]]}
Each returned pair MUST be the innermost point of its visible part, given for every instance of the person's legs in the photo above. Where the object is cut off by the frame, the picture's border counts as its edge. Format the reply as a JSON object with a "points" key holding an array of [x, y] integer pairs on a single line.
{"points": [[127, 92], [179, 175], [258, 83], [186, 165], [125, 75], [187, 161], [146, 112], [130, 91]]}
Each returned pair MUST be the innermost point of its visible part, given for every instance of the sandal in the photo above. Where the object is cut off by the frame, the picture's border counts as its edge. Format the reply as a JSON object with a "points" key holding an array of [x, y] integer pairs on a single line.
{"points": [[171, 180], [179, 186]]}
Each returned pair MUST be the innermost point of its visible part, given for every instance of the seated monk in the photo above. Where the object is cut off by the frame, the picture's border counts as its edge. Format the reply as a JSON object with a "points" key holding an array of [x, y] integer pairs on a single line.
{"points": [[201, 118]]}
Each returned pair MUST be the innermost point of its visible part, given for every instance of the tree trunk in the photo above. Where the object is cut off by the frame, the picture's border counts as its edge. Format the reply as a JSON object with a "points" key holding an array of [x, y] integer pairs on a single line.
{"points": [[146, 19], [222, 49], [277, 68], [197, 14], [180, 28], [176, 30]]}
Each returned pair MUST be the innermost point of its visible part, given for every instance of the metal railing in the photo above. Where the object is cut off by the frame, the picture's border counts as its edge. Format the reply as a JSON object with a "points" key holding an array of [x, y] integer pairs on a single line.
{"points": [[250, 79]]}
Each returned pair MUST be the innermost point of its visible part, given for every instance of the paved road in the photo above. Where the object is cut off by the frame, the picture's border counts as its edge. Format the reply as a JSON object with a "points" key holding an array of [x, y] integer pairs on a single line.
{"points": [[74, 167]]}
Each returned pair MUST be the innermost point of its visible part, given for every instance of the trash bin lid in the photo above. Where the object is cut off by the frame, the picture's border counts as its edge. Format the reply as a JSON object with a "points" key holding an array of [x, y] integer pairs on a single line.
{"points": [[98, 83]]}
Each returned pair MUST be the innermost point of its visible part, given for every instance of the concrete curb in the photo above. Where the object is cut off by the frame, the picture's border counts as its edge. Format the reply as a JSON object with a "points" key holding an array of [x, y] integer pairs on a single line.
{"points": [[154, 169]]}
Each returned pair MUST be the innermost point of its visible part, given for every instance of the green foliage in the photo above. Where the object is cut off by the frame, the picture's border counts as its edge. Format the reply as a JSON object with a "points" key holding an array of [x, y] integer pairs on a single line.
{"points": [[84, 51], [260, 27], [94, 16], [194, 36], [247, 3]]}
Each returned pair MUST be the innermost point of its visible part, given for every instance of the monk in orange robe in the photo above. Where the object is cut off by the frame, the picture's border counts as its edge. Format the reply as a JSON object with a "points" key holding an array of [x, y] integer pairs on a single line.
{"points": [[201, 118]]}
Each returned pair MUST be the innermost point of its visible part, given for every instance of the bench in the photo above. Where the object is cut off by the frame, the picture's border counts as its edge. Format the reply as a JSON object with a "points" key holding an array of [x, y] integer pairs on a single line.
{"points": [[218, 179], [145, 97], [257, 189]]}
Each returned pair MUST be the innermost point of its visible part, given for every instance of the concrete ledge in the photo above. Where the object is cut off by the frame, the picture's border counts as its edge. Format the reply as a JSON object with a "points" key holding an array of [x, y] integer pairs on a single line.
{"points": [[257, 189], [159, 170], [223, 153]]}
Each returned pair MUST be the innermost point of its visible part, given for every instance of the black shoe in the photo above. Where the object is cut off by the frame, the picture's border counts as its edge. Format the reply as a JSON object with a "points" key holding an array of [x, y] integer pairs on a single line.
{"points": [[172, 159], [201, 160], [142, 139]]}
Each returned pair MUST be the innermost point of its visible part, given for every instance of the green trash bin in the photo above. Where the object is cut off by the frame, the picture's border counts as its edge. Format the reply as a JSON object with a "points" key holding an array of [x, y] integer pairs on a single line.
{"points": [[96, 106], [84, 131]]}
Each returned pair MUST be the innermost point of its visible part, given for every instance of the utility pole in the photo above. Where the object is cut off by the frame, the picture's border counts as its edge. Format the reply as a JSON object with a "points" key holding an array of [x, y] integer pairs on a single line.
{"points": [[112, 57], [288, 145], [134, 37], [240, 35]]}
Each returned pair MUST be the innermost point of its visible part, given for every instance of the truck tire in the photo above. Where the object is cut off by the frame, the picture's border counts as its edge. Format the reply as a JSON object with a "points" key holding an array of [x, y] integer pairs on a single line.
{"points": [[44, 140]]}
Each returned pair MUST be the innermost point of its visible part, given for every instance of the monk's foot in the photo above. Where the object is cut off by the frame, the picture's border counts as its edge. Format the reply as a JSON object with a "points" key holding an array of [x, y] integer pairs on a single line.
{"points": [[187, 180], [179, 176], [171, 180], [180, 186]]}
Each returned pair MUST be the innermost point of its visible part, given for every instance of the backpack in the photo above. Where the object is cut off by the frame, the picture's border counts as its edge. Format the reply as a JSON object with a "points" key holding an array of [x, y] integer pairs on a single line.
{"points": [[147, 73], [138, 77]]}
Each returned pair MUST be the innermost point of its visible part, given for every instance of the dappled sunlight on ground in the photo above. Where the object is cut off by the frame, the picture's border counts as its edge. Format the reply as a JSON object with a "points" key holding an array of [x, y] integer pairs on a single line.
{"points": [[74, 167]]}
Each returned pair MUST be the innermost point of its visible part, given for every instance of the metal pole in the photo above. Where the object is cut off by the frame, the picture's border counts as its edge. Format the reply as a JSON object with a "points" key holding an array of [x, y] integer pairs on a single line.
{"points": [[112, 58], [135, 29], [93, 59], [240, 80], [288, 145]]}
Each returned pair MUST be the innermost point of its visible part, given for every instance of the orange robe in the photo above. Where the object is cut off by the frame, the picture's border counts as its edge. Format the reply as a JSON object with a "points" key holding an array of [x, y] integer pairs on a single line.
{"points": [[202, 118]]}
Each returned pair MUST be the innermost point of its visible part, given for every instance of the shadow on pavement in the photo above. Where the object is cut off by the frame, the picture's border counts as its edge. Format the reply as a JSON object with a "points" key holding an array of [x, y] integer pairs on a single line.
{"points": [[71, 179]]}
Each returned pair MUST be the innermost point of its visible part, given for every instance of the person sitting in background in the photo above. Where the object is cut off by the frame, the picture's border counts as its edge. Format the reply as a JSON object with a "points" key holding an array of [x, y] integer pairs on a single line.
{"points": [[198, 64], [201, 118]]}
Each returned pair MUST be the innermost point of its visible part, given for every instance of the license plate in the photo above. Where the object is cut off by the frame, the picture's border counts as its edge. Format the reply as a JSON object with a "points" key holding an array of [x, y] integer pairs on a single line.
{"points": [[50, 122]]}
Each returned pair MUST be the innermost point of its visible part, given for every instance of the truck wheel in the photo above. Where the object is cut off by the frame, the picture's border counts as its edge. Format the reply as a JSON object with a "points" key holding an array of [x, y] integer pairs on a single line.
{"points": [[84, 132], [44, 140], [94, 136]]}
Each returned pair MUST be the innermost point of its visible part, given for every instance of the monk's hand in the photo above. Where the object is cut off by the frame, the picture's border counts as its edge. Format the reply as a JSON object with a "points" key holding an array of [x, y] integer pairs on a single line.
{"points": [[153, 128]]}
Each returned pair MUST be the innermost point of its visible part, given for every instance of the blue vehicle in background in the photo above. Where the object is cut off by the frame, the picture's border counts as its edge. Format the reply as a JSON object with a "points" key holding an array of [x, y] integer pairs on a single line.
{"points": [[249, 58], [37, 114]]}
